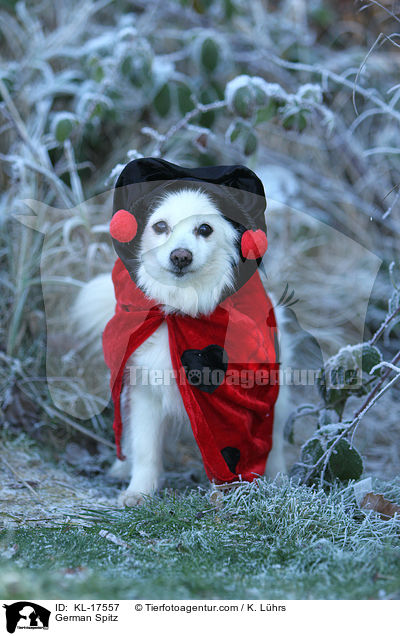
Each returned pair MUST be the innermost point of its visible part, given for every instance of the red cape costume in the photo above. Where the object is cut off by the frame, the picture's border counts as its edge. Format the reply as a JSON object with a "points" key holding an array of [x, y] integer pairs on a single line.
{"points": [[225, 365]]}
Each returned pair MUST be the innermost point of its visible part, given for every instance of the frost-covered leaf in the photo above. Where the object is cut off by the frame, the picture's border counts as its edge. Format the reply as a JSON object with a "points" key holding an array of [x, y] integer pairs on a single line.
{"points": [[378, 503], [310, 93], [245, 95], [345, 461], [330, 431], [243, 101], [311, 452], [93, 104], [295, 119], [371, 356], [136, 65], [347, 373]]}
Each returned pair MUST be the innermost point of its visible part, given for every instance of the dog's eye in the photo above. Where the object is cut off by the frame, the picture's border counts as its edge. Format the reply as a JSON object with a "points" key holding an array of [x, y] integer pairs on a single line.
{"points": [[160, 227], [204, 230]]}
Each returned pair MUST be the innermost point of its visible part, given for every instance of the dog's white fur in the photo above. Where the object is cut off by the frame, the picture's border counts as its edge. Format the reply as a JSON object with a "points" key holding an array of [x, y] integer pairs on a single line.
{"points": [[147, 408]]}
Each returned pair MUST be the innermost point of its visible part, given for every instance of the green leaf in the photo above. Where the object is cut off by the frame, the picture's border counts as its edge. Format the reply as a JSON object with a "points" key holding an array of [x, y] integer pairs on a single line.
{"points": [[250, 144], [207, 96], [371, 356], [345, 461], [243, 132], [230, 9], [266, 112], [301, 122], [243, 101], [63, 130], [296, 121], [63, 126], [210, 55], [235, 130], [259, 93], [162, 101], [98, 74], [184, 97], [137, 66], [96, 69], [331, 391]]}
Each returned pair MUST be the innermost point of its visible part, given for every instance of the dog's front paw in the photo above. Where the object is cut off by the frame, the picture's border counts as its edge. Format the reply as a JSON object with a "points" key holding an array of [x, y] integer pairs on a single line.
{"points": [[130, 498]]}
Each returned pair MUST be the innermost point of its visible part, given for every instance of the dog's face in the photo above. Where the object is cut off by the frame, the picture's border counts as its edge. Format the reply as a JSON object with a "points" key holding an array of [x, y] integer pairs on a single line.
{"points": [[188, 253]]}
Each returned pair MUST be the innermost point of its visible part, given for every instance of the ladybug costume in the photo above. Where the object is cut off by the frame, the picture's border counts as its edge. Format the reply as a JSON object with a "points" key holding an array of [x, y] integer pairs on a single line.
{"points": [[225, 363]]}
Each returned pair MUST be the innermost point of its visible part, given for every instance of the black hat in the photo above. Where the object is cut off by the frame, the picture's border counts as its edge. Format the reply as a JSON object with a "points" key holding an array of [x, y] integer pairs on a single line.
{"points": [[236, 190]]}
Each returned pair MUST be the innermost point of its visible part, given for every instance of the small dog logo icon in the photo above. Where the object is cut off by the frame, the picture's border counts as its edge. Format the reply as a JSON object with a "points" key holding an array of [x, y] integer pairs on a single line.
{"points": [[26, 615]]}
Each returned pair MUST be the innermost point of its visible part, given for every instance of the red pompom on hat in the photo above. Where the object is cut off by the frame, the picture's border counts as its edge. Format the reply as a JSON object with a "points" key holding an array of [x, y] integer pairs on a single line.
{"points": [[123, 226], [254, 244]]}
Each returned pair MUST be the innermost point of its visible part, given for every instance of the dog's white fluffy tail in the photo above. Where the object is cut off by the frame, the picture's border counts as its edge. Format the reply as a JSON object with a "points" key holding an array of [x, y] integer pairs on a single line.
{"points": [[93, 308]]}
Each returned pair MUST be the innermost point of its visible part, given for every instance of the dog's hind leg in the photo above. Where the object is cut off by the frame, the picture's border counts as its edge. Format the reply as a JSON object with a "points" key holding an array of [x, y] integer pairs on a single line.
{"points": [[276, 461], [122, 470]]}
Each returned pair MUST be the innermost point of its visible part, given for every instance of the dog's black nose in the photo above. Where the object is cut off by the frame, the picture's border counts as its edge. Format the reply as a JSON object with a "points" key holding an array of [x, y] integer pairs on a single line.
{"points": [[181, 258]]}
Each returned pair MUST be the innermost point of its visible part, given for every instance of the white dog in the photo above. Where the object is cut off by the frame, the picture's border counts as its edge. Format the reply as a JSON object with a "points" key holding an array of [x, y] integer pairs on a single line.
{"points": [[187, 255]]}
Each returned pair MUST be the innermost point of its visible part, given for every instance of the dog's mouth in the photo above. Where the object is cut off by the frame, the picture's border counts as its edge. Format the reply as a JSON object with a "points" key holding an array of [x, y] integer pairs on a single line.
{"points": [[176, 272], [179, 273]]}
